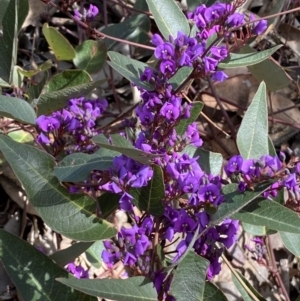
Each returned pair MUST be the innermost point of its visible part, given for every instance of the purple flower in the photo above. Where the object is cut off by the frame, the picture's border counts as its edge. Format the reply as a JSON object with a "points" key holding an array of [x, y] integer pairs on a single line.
{"points": [[170, 111], [92, 12], [43, 139], [157, 39], [260, 27], [167, 66], [214, 268], [210, 64], [192, 135], [219, 52], [164, 51], [234, 165], [125, 202], [210, 193], [219, 76], [47, 124], [77, 271]]}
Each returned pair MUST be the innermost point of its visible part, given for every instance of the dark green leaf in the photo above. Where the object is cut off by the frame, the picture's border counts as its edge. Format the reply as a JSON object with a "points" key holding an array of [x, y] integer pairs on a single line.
{"points": [[71, 215], [235, 200], [8, 41], [34, 273], [184, 123], [17, 108], [239, 60], [108, 202], [61, 47], [129, 68], [252, 137], [22, 12], [131, 289], [50, 102], [35, 91], [189, 279], [141, 5], [292, 242], [270, 214], [4, 5], [134, 28], [90, 56], [150, 198], [122, 145], [180, 76], [78, 166], [211, 292], [93, 253], [268, 71], [67, 79], [168, 17], [65, 256]]}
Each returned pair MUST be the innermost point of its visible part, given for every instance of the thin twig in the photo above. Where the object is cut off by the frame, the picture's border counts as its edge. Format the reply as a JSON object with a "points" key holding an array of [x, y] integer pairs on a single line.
{"points": [[274, 269]]}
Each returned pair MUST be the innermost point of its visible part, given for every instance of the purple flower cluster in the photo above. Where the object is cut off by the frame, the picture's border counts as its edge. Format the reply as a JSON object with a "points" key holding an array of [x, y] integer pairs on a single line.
{"points": [[190, 193], [73, 127], [77, 270], [250, 171], [87, 14], [133, 247]]}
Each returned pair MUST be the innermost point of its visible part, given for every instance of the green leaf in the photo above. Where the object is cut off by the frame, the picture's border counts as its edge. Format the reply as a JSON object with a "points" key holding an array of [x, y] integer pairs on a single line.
{"points": [[4, 83], [184, 123], [78, 166], [168, 17], [67, 79], [123, 146], [252, 137], [23, 10], [242, 289], [210, 162], [33, 273], [17, 77], [131, 289], [35, 91], [211, 292], [235, 60], [189, 279], [17, 108], [90, 56], [8, 41], [108, 203], [43, 67], [141, 5], [4, 5], [272, 150], [50, 102], [70, 215], [180, 76], [93, 253], [255, 230], [65, 256], [21, 136], [268, 71], [292, 242], [129, 68], [270, 214], [134, 28], [235, 200], [61, 47], [150, 198]]}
